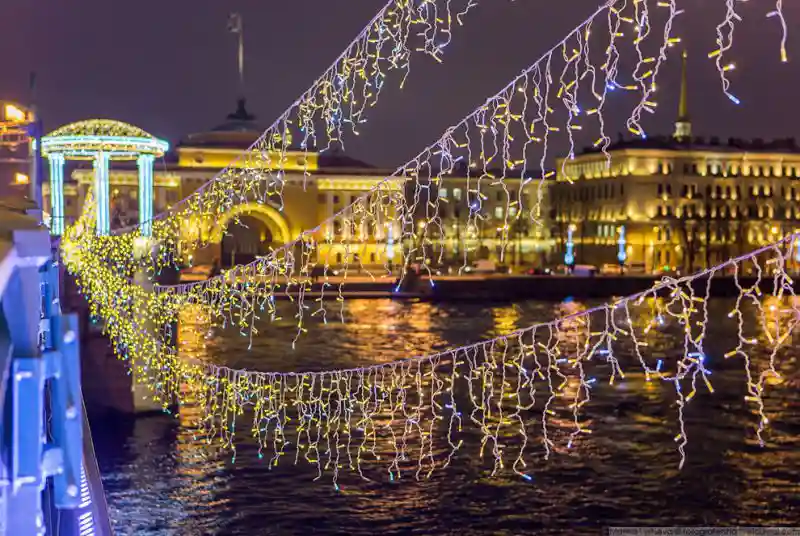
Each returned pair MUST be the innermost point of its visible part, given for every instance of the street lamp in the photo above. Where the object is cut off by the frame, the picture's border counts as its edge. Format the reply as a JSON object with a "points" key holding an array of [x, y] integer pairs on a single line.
{"points": [[569, 256], [622, 256]]}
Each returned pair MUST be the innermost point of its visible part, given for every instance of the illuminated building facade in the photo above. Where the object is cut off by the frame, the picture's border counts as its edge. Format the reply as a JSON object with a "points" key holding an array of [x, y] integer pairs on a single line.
{"points": [[334, 181], [685, 203]]}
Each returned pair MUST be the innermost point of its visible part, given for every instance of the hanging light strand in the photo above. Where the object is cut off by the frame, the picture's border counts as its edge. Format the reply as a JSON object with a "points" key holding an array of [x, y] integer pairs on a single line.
{"points": [[336, 103], [509, 129], [423, 408]]}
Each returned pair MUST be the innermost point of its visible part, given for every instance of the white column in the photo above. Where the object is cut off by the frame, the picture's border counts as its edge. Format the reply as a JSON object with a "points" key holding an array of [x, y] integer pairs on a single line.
{"points": [[145, 163], [101, 194], [56, 193]]}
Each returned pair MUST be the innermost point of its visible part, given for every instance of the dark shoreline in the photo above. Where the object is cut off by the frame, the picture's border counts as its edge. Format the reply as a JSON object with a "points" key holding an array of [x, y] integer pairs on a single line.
{"points": [[519, 288]]}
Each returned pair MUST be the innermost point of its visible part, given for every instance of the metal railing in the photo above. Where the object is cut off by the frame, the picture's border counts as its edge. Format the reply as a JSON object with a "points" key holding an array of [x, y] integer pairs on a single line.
{"points": [[49, 479]]}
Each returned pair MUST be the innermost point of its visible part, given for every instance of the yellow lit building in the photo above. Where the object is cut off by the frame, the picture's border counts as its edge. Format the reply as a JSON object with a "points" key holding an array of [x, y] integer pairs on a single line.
{"points": [[685, 203], [334, 181]]}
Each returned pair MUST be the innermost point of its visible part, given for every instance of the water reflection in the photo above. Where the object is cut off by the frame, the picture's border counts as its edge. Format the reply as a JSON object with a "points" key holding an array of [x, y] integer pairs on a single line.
{"points": [[160, 481]]}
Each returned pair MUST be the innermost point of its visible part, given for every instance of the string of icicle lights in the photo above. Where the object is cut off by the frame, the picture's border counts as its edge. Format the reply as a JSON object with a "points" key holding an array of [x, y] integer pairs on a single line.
{"points": [[335, 105], [508, 137], [521, 395], [560, 97], [724, 41]]}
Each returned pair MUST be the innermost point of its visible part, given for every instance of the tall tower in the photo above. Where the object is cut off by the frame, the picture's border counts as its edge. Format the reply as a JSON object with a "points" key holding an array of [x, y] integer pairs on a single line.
{"points": [[683, 126]]}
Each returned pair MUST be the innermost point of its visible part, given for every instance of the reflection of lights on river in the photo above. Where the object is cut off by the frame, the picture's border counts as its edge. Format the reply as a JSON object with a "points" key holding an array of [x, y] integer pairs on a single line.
{"points": [[505, 319], [199, 463]]}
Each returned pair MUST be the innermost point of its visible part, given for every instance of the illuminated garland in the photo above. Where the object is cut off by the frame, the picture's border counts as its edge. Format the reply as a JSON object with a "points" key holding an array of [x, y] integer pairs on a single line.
{"points": [[513, 128], [486, 134], [512, 392], [335, 105], [337, 419], [521, 116], [725, 41], [259, 177]]}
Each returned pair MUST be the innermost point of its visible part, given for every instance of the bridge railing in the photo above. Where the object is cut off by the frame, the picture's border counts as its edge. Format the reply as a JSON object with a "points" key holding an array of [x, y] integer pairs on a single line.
{"points": [[49, 482]]}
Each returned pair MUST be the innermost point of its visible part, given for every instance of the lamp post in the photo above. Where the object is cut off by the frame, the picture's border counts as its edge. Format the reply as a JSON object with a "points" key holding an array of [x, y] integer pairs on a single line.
{"points": [[569, 256], [622, 255]]}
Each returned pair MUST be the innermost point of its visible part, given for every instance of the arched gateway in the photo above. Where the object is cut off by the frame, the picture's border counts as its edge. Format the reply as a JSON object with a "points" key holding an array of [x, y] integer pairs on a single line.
{"points": [[248, 231]]}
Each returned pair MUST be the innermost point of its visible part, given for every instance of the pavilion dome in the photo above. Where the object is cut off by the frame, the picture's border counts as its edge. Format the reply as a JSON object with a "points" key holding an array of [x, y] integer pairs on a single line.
{"points": [[100, 127], [85, 139]]}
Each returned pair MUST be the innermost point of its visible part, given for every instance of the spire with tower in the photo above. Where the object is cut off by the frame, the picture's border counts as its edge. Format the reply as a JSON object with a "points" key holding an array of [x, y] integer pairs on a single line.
{"points": [[683, 126]]}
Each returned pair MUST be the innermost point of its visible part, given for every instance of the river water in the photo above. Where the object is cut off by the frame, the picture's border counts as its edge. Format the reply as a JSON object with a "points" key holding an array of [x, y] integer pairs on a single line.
{"points": [[159, 481]]}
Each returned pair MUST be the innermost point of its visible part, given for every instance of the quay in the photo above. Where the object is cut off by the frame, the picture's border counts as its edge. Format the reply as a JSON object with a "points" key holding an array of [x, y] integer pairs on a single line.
{"points": [[511, 288]]}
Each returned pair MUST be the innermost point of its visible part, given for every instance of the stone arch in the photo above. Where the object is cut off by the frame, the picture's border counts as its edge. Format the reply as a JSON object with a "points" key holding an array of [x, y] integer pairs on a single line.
{"points": [[267, 214], [246, 232]]}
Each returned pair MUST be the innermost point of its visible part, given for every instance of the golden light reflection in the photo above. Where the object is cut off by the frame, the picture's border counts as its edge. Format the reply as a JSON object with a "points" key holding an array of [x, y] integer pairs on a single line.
{"points": [[505, 319]]}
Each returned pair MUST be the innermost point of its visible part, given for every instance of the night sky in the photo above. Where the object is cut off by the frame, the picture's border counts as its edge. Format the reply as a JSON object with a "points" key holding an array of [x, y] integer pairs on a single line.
{"points": [[169, 66]]}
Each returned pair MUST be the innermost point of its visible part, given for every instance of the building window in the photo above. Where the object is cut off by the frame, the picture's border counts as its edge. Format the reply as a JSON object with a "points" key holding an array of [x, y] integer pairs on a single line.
{"points": [[457, 194], [338, 258], [443, 193], [335, 199], [498, 213]]}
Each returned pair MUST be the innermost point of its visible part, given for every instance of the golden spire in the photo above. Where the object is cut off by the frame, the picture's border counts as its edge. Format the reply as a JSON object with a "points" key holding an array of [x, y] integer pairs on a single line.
{"points": [[683, 126]]}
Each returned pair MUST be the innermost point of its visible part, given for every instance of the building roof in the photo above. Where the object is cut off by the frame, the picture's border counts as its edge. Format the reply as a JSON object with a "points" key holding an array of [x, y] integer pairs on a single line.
{"points": [[732, 145], [238, 131]]}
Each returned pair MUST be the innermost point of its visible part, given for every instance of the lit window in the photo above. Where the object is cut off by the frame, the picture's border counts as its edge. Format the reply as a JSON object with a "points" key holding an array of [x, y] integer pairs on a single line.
{"points": [[457, 193], [443, 193], [498, 213]]}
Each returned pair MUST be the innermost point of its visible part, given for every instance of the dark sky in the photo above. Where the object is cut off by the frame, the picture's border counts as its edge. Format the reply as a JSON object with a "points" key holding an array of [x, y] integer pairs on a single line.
{"points": [[169, 66]]}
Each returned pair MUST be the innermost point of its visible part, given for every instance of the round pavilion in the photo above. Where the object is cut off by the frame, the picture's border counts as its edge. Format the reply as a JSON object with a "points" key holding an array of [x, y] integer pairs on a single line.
{"points": [[102, 141]]}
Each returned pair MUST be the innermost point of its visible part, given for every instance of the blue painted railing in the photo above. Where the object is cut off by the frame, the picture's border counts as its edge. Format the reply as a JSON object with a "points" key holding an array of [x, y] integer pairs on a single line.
{"points": [[49, 481]]}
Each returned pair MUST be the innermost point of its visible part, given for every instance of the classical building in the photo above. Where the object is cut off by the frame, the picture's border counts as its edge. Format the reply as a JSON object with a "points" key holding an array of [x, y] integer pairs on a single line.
{"points": [[682, 202], [335, 180]]}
